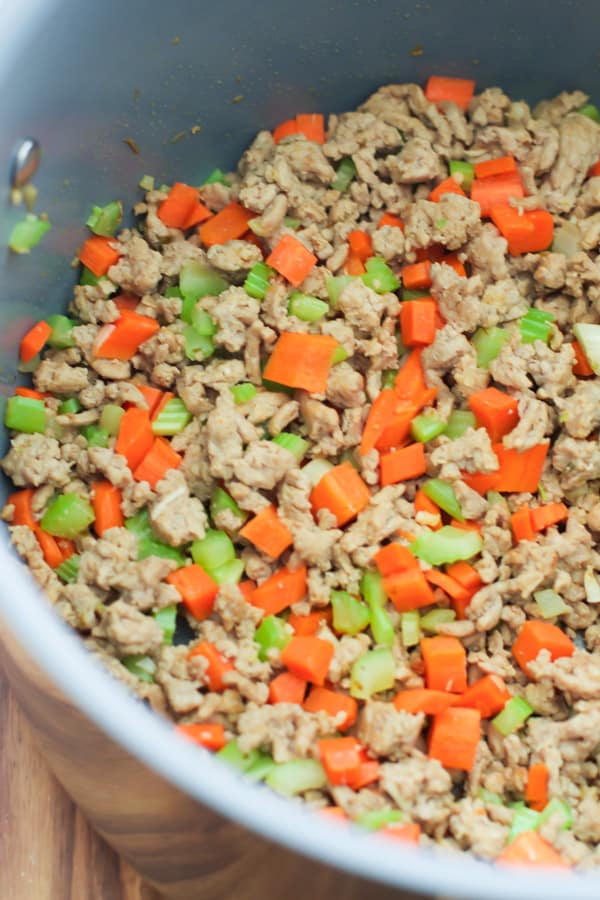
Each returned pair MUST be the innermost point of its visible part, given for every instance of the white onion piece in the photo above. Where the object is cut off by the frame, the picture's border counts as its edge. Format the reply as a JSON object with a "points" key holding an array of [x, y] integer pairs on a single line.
{"points": [[567, 240], [588, 336], [315, 469], [592, 588]]}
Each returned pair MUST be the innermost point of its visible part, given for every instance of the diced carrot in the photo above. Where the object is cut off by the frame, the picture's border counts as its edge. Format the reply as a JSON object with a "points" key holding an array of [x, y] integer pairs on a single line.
{"points": [[218, 665], [417, 322], [341, 759], [502, 165], [543, 517], [393, 558], [447, 186], [22, 509], [581, 367], [301, 361], [520, 522], [495, 411], [368, 772], [292, 259], [466, 526], [423, 504], [417, 276], [182, 208], [339, 706], [447, 584], [409, 385], [308, 657], [267, 532], [159, 460], [445, 662], [199, 213], [424, 700], [407, 832], [135, 436], [529, 849], [382, 411], [454, 262], [30, 393], [50, 549], [402, 465], [67, 548], [342, 491], [489, 695], [454, 737], [284, 588], [246, 589], [121, 339], [98, 254], [396, 432], [106, 501], [517, 473], [408, 590], [33, 341], [197, 589], [536, 791], [151, 395], [390, 220], [434, 253], [127, 302], [536, 636], [361, 244], [466, 575], [594, 170], [498, 189], [527, 231], [287, 688], [228, 225], [312, 126], [164, 398], [443, 89], [209, 735], [311, 622], [354, 265], [285, 129]]}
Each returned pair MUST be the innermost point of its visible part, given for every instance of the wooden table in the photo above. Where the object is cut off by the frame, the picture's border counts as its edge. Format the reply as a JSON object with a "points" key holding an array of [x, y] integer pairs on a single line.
{"points": [[47, 849]]}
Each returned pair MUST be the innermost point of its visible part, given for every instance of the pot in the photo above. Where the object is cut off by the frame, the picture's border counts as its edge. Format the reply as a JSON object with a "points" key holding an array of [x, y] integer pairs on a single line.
{"points": [[84, 78]]}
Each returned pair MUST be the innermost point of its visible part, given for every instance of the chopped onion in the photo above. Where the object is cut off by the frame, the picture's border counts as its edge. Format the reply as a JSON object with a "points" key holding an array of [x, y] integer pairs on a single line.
{"points": [[567, 240], [589, 337], [315, 469], [592, 588], [550, 604]]}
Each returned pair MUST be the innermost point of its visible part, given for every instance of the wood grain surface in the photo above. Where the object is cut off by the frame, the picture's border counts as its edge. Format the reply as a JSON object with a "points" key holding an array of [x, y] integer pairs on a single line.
{"points": [[47, 849]]}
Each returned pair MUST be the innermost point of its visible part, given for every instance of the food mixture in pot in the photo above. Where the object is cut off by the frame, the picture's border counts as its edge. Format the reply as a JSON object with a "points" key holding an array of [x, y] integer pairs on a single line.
{"points": [[312, 464]]}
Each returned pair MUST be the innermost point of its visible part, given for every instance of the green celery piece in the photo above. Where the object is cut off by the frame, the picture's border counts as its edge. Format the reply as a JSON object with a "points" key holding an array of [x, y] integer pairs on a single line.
{"points": [[197, 280], [27, 234], [221, 501], [447, 545], [141, 666], [557, 806], [110, 418], [375, 819], [69, 407], [25, 414], [427, 427], [260, 768], [146, 183], [229, 573], [275, 388], [589, 110], [140, 524], [466, 170], [166, 618], [335, 286], [349, 455], [172, 418], [379, 276], [350, 615], [242, 393], [306, 308], [381, 627], [67, 516], [62, 332], [271, 634], [202, 322], [95, 436], [494, 497], [488, 343], [459, 421], [197, 346], [372, 672], [388, 378], [371, 587], [292, 442], [104, 220], [69, 569], [293, 224], [148, 546], [443, 495], [431, 621], [233, 756], [550, 604], [296, 776], [345, 173], [588, 336], [515, 713], [489, 797], [339, 355], [213, 550], [173, 291], [88, 279], [523, 820], [413, 295], [411, 628], [257, 281], [216, 177], [535, 326]]}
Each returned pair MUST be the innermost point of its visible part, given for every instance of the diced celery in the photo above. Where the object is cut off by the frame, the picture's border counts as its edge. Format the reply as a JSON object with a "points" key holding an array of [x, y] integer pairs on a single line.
{"points": [[69, 569], [345, 173], [413, 295], [197, 346], [104, 220], [488, 343], [257, 281], [515, 713], [166, 618], [426, 427], [459, 421], [350, 615], [375, 819], [28, 233], [233, 756], [388, 378], [67, 516], [381, 626], [306, 308], [292, 442], [550, 604], [373, 672], [339, 355], [494, 497], [271, 634], [69, 407], [443, 495], [446, 545], [213, 550], [432, 620], [465, 169], [140, 524], [557, 806], [197, 280], [173, 291], [315, 469], [172, 418], [143, 667], [411, 628], [202, 322], [371, 587], [222, 502], [62, 332], [296, 776], [260, 768], [289, 222], [243, 392], [95, 436], [216, 177], [88, 279], [25, 414], [336, 285], [588, 336], [349, 455], [590, 110], [379, 276], [148, 546], [277, 388], [229, 573], [523, 820], [536, 326], [110, 418], [489, 797], [146, 182]]}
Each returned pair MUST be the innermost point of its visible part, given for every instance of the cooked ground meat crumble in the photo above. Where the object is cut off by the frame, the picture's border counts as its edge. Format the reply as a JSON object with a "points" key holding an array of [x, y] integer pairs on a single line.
{"points": [[347, 561]]}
